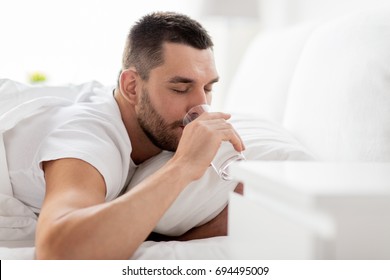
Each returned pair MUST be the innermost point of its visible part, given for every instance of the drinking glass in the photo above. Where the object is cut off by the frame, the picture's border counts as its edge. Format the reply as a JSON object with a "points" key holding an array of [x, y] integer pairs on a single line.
{"points": [[226, 154]]}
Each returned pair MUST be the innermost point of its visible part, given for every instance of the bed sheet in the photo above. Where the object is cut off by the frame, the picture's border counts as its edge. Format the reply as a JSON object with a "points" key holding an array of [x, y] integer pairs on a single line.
{"points": [[214, 248]]}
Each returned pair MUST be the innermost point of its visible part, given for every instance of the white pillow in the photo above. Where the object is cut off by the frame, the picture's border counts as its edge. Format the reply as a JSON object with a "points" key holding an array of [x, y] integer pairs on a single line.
{"points": [[204, 199], [17, 221], [19, 101], [339, 100], [261, 82]]}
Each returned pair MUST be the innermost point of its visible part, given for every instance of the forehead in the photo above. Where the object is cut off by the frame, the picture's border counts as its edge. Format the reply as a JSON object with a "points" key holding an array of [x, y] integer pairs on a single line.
{"points": [[186, 61]]}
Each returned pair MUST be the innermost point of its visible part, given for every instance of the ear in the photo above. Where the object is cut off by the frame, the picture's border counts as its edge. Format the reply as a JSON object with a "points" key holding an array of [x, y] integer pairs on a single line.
{"points": [[128, 82]]}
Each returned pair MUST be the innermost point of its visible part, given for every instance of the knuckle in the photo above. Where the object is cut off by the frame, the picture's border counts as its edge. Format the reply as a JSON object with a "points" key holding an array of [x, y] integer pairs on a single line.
{"points": [[229, 125]]}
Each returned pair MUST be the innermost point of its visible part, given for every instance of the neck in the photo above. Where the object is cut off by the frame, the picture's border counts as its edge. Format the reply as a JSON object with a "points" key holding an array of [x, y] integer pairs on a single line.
{"points": [[142, 147]]}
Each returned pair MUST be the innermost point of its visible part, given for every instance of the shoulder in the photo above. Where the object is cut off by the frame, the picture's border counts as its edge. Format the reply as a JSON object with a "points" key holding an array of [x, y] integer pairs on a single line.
{"points": [[92, 130]]}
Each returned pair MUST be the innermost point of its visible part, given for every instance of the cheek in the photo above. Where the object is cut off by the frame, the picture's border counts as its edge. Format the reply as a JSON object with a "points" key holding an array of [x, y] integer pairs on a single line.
{"points": [[173, 113], [171, 109]]}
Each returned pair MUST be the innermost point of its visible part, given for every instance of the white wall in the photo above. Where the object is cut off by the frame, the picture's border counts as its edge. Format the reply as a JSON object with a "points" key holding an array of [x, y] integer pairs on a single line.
{"points": [[75, 41], [281, 13]]}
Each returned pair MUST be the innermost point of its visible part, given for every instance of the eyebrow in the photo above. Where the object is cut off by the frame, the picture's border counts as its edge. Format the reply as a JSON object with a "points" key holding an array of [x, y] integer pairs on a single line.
{"points": [[179, 80]]}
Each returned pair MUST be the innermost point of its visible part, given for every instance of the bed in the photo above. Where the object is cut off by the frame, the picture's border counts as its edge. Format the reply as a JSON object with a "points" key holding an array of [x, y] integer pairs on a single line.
{"points": [[325, 97], [200, 202]]}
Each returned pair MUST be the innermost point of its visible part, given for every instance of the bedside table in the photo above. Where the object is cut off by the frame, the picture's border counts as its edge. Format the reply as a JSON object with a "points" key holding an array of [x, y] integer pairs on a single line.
{"points": [[310, 210]]}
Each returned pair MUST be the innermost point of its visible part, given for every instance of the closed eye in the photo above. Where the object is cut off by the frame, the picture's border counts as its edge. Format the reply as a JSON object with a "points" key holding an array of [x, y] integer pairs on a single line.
{"points": [[181, 91], [208, 90]]}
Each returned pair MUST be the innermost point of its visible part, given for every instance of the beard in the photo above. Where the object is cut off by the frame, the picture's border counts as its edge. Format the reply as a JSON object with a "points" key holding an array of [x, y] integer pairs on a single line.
{"points": [[159, 132]]}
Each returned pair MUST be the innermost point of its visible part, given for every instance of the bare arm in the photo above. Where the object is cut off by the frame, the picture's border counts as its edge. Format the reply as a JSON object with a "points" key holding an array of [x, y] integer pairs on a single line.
{"points": [[76, 223]]}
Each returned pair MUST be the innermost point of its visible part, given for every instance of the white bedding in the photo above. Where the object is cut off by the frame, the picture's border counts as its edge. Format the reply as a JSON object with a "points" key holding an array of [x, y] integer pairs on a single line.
{"points": [[201, 201], [215, 248]]}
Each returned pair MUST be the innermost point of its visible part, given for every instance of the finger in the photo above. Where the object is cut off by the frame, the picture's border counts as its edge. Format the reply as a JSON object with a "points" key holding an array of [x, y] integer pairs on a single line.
{"points": [[214, 115], [227, 128], [223, 130], [232, 136], [224, 125], [242, 142]]}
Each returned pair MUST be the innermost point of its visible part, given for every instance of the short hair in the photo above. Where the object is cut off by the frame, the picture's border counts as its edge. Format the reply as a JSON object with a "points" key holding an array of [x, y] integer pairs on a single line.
{"points": [[144, 44]]}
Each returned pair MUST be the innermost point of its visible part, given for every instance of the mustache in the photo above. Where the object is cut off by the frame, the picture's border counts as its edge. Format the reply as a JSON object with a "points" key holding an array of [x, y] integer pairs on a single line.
{"points": [[177, 124]]}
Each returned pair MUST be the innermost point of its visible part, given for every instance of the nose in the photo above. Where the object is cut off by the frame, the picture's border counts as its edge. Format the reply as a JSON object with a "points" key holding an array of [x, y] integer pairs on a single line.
{"points": [[198, 98]]}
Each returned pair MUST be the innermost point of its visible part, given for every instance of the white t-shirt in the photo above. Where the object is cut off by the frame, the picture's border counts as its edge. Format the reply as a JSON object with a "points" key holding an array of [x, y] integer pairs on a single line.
{"points": [[90, 129]]}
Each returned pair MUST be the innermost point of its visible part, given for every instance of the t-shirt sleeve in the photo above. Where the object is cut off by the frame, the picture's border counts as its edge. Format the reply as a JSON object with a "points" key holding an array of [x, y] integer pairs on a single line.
{"points": [[92, 141]]}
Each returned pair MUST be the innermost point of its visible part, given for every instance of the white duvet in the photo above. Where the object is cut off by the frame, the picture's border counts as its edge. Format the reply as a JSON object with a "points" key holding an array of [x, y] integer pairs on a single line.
{"points": [[201, 201], [214, 248]]}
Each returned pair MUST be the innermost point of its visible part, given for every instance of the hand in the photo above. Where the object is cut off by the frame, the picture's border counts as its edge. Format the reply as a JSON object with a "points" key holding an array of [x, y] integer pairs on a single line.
{"points": [[201, 140]]}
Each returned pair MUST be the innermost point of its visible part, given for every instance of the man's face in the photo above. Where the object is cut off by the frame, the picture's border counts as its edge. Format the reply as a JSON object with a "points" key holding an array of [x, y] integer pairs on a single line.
{"points": [[184, 80]]}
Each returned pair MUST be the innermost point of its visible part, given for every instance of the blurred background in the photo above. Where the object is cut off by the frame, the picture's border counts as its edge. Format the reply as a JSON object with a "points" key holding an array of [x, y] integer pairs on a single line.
{"points": [[75, 41]]}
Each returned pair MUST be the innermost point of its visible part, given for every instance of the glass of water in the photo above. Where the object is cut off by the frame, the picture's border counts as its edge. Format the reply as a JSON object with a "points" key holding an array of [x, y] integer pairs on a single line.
{"points": [[226, 154]]}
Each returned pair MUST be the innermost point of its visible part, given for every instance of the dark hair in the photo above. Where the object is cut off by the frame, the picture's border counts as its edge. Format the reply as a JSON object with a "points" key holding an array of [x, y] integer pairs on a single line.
{"points": [[144, 43]]}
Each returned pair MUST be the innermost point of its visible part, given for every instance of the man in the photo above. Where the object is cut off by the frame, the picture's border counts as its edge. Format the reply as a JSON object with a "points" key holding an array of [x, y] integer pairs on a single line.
{"points": [[82, 155]]}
